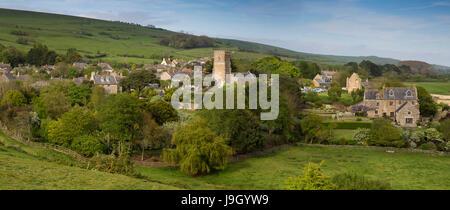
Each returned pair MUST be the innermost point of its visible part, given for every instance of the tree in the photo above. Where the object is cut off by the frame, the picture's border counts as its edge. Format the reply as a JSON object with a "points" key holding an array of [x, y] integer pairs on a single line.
{"points": [[372, 68], [274, 65], [209, 65], [427, 106], [121, 116], [51, 104], [311, 179], [14, 98], [445, 129], [357, 95], [162, 112], [72, 56], [80, 94], [13, 56], [239, 128], [152, 133], [308, 69], [198, 150], [40, 55], [97, 97], [311, 128], [335, 92], [74, 123], [138, 80]]}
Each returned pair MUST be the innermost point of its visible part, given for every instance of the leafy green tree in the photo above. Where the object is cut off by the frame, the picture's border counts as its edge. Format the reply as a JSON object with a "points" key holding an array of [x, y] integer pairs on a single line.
{"points": [[308, 69], [335, 92], [138, 80], [239, 128], [162, 112], [14, 98], [274, 65], [80, 94], [374, 69], [198, 150], [13, 56], [72, 56], [311, 179], [357, 96], [311, 127], [427, 107], [445, 129], [152, 134], [74, 123], [40, 55], [121, 116], [87, 145], [97, 97], [51, 104]]}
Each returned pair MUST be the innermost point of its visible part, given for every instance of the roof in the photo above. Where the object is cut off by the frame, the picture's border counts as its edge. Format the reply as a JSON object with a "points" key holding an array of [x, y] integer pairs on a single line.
{"points": [[106, 80], [323, 79], [394, 93]]}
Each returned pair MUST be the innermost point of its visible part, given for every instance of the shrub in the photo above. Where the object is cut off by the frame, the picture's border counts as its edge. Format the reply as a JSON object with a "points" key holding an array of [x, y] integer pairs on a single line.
{"points": [[114, 163], [428, 146], [353, 181], [87, 145], [311, 179], [362, 136], [383, 133], [14, 98]]}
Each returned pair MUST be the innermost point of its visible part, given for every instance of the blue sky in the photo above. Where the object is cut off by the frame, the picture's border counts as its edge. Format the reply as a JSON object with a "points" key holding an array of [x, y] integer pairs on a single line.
{"points": [[412, 29]]}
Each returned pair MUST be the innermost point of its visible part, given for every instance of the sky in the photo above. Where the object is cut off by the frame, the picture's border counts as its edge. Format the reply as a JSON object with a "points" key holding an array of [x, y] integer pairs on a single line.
{"points": [[401, 29]]}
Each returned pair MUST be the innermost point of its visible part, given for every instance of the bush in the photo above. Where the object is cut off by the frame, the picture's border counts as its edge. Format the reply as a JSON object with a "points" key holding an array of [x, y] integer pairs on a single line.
{"points": [[114, 163], [87, 145], [353, 181], [362, 136], [428, 146], [311, 179], [383, 133]]}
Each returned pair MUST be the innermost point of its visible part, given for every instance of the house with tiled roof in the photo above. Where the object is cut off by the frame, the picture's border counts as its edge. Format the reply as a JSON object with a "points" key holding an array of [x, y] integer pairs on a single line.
{"points": [[110, 82], [321, 81], [400, 104]]}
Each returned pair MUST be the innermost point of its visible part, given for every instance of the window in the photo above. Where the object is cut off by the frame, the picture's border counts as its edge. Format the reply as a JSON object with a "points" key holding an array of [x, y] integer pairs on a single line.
{"points": [[391, 93], [378, 103], [413, 103], [409, 120], [376, 111], [399, 102], [409, 112], [392, 114], [408, 93], [391, 103]]}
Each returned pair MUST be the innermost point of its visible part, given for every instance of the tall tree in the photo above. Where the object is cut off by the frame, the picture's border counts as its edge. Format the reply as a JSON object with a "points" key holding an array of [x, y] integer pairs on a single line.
{"points": [[138, 80]]}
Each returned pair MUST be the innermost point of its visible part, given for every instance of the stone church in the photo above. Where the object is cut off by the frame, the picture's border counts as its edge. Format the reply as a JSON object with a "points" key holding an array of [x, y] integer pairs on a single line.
{"points": [[354, 82], [399, 104], [222, 66]]}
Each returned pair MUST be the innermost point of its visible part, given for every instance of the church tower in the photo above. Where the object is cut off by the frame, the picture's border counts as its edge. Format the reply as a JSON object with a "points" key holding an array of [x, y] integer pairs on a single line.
{"points": [[222, 65]]}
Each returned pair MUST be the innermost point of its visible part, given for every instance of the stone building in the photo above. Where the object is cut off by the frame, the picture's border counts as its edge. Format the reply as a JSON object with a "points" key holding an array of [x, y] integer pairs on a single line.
{"points": [[222, 65], [399, 104], [110, 82], [321, 81], [354, 82]]}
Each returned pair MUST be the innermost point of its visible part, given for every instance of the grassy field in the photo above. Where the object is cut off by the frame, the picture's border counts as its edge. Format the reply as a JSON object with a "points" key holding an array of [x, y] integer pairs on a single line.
{"points": [[403, 170], [345, 133], [93, 37], [442, 88], [25, 167]]}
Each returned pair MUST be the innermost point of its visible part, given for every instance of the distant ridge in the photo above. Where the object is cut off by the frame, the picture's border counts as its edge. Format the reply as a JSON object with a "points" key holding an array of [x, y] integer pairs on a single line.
{"points": [[123, 42]]}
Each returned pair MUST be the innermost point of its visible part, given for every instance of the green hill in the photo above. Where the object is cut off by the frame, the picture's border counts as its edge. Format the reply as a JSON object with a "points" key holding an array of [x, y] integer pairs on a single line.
{"points": [[123, 42]]}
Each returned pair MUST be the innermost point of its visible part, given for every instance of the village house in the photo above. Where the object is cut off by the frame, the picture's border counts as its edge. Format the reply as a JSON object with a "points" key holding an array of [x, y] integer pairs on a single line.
{"points": [[105, 67], [399, 104], [110, 82], [80, 65], [6, 77], [321, 81], [329, 74], [5, 68]]}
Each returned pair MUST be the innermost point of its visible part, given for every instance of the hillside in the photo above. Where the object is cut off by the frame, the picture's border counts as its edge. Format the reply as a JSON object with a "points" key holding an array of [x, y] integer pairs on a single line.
{"points": [[122, 42]]}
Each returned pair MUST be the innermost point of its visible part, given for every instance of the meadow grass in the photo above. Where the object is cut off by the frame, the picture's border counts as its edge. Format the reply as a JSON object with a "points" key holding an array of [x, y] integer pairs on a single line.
{"points": [[441, 88], [24, 167], [404, 170]]}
